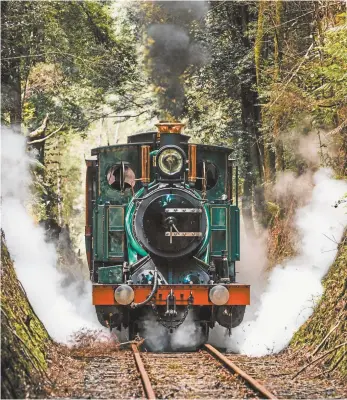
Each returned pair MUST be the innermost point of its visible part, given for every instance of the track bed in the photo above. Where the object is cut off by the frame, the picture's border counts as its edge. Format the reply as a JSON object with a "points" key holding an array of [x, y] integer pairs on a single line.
{"points": [[112, 377], [186, 375], [192, 375]]}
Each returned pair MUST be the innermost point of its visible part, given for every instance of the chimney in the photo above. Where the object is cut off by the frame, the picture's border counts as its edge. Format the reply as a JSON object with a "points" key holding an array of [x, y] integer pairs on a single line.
{"points": [[169, 127]]}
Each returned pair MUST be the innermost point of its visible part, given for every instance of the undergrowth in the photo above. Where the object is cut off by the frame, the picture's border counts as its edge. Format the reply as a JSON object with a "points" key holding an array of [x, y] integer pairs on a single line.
{"points": [[88, 343], [281, 238], [325, 333]]}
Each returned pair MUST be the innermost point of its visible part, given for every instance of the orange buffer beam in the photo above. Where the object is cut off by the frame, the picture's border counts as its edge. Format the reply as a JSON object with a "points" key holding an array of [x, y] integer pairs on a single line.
{"points": [[239, 294]]}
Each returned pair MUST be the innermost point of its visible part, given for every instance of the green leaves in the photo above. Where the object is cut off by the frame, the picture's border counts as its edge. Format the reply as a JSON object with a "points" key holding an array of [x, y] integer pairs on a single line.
{"points": [[69, 57]]}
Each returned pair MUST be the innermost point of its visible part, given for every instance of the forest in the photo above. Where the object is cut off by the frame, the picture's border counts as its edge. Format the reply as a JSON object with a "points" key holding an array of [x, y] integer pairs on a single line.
{"points": [[266, 78], [255, 76]]}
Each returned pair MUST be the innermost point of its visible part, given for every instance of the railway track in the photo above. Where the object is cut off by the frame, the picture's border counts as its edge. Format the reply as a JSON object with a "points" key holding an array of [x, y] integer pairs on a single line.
{"points": [[195, 375], [109, 377]]}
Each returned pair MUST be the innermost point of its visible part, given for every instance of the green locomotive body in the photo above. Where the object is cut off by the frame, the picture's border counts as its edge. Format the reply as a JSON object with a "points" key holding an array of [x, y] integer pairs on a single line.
{"points": [[163, 232]]}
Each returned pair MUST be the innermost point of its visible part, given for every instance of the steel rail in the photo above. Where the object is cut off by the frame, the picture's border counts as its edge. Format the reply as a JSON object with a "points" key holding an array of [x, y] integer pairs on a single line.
{"points": [[146, 383], [234, 368]]}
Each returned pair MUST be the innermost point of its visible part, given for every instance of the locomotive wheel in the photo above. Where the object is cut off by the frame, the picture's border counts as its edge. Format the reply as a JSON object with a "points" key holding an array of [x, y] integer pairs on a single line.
{"points": [[101, 318], [238, 314]]}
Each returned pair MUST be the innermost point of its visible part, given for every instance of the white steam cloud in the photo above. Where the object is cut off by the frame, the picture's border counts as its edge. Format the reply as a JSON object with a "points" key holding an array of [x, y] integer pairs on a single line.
{"points": [[280, 304], [294, 287], [188, 335], [158, 338], [64, 308]]}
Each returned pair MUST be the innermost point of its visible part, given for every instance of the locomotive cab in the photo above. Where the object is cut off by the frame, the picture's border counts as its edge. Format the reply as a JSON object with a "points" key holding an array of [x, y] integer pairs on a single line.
{"points": [[162, 233]]}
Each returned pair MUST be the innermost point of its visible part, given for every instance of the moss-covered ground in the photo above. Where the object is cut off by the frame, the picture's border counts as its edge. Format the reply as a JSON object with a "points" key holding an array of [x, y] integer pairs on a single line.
{"points": [[324, 335], [24, 340]]}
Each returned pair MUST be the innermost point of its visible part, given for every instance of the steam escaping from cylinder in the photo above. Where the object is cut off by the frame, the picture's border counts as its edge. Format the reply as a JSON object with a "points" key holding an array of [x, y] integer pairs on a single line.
{"points": [[187, 336], [293, 288], [64, 306]]}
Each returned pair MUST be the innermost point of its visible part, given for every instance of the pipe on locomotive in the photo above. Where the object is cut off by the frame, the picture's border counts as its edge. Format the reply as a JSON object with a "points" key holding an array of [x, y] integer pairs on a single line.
{"points": [[151, 295], [145, 165], [192, 163]]}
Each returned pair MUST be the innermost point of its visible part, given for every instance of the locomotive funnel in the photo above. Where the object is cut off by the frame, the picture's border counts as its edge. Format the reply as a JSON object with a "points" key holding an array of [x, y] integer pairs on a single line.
{"points": [[169, 127]]}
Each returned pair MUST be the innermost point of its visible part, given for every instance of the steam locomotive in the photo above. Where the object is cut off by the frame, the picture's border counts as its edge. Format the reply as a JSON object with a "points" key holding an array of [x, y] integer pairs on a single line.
{"points": [[163, 233]]}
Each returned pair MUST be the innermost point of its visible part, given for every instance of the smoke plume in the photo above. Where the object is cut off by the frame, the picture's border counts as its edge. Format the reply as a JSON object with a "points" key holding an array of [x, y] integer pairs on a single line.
{"points": [[294, 287], [171, 49], [64, 306]]}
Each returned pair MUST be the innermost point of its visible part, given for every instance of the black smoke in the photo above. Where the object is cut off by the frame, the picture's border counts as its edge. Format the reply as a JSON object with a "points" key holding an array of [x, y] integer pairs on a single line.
{"points": [[171, 50]]}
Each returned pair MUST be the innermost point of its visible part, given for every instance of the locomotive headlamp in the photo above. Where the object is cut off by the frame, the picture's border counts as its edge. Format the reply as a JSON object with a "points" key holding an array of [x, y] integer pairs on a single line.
{"points": [[219, 295], [124, 294], [170, 161]]}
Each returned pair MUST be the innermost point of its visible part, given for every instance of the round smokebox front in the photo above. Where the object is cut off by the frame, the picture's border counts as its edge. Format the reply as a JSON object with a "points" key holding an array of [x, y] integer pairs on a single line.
{"points": [[170, 223]]}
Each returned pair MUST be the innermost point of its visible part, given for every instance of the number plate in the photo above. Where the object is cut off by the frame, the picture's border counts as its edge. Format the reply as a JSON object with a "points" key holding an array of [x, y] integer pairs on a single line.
{"points": [[173, 234], [184, 210]]}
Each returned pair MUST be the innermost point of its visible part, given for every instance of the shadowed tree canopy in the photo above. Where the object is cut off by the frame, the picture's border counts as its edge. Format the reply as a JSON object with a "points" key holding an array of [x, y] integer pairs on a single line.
{"points": [[62, 58]]}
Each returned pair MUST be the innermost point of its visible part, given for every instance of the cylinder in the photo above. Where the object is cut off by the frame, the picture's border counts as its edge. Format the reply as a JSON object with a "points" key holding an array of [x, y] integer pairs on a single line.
{"points": [[145, 164], [192, 163]]}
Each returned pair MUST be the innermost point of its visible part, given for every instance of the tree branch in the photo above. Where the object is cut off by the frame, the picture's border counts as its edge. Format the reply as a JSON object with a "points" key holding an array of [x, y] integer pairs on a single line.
{"points": [[317, 359], [111, 115], [338, 129], [325, 339], [294, 73], [46, 137], [41, 129], [332, 368]]}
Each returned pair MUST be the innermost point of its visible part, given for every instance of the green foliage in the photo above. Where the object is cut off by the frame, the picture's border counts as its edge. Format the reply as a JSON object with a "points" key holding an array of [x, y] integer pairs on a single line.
{"points": [[69, 57], [312, 79], [331, 94], [65, 60]]}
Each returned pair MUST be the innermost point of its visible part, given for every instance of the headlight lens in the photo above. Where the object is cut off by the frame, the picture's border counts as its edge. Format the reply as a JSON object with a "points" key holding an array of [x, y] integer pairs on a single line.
{"points": [[219, 295], [170, 161], [124, 295]]}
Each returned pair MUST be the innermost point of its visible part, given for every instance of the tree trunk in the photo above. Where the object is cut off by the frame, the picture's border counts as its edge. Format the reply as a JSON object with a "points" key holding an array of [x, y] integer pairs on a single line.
{"points": [[10, 74], [258, 45], [277, 59], [251, 121], [16, 109], [258, 53], [247, 213]]}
